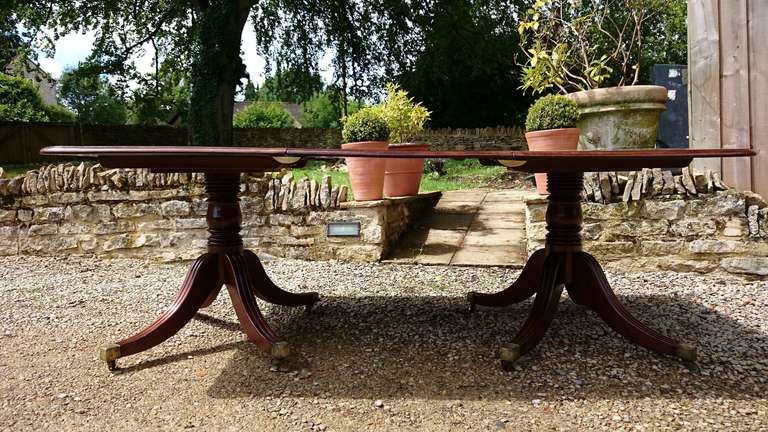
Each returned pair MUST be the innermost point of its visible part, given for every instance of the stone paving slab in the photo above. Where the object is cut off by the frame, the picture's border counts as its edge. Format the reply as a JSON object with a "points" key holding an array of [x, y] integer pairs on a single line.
{"points": [[469, 227], [505, 195], [494, 237], [449, 221], [514, 220], [470, 195], [489, 256], [462, 207]]}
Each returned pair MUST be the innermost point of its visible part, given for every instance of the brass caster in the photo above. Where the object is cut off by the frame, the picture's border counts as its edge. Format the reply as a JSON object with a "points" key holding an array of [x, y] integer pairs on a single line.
{"points": [[275, 366], [109, 353], [509, 355], [686, 352], [280, 350], [112, 366]]}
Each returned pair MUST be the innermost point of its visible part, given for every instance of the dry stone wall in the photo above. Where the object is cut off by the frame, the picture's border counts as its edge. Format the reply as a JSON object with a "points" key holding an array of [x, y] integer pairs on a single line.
{"points": [[87, 209], [705, 232]]}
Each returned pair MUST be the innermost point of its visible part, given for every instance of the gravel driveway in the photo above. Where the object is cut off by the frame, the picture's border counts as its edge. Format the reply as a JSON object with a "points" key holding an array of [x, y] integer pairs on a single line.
{"points": [[389, 347]]}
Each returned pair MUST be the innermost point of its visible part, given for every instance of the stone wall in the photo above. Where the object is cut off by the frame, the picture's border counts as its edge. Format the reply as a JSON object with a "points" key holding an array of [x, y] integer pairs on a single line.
{"points": [[86, 209], [725, 230]]}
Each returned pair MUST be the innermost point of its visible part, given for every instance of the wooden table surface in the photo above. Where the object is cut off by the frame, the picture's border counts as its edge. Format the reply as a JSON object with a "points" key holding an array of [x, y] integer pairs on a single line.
{"points": [[562, 264], [246, 159]]}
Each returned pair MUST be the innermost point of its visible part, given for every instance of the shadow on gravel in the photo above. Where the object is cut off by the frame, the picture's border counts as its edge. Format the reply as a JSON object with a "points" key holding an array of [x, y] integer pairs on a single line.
{"points": [[430, 348]]}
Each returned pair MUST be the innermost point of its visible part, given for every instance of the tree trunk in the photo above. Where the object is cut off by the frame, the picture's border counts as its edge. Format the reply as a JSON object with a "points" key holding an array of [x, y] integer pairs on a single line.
{"points": [[216, 71]]}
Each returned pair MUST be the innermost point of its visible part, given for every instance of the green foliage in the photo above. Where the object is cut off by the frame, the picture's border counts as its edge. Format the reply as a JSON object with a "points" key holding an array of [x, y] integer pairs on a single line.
{"points": [[91, 96], [320, 111], [12, 41], [404, 116], [464, 67], [57, 113], [161, 96], [20, 101], [249, 92], [323, 110], [552, 112], [263, 115], [291, 85], [587, 44], [365, 125]]}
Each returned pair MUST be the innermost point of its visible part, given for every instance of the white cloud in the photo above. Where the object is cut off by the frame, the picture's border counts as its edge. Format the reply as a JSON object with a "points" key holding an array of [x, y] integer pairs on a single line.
{"points": [[70, 50]]}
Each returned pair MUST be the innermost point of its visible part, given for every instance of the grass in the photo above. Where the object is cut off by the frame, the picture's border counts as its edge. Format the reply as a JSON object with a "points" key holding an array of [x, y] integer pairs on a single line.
{"points": [[460, 174], [466, 174], [12, 171]]}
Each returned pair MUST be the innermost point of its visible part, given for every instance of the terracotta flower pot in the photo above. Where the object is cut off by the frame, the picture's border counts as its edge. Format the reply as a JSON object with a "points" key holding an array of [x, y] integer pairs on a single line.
{"points": [[403, 176], [366, 174], [620, 117], [551, 140]]}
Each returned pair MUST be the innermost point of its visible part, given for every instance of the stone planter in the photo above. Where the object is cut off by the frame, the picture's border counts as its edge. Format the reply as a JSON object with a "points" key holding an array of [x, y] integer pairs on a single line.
{"points": [[366, 174], [620, 117], [403, 176], [551, 140]]}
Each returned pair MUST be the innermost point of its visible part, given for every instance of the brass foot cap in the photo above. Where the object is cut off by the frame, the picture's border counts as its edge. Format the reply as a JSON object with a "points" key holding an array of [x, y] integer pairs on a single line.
{"points": [[109, 353], [686, 352], [509, 353], [280, 350]]}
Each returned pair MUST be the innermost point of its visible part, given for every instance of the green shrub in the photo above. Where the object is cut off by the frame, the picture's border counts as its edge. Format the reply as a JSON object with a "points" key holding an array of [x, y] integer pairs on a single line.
{"points": [[263, 115], [365, 125], [57, 113], [20, 101], [405, 117], [552, 112]]}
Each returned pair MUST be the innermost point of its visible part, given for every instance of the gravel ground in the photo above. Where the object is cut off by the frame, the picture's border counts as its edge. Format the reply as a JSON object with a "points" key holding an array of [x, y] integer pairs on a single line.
{"points": [[388, 347]]}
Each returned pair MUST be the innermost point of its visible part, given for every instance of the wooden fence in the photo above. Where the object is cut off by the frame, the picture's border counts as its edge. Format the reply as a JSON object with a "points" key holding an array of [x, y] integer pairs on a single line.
{"points": [[21, 142], [728, 85]]}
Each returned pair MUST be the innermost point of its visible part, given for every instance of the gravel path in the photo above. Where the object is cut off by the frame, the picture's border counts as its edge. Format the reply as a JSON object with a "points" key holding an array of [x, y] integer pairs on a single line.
{"points": [[389, 347]]}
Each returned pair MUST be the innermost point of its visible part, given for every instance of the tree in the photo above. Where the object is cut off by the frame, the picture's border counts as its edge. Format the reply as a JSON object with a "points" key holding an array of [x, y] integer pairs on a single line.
{"points": [[320, 112], [323, 110], [203, 37], [91, 96], [250, 92], [20, 101], [466, 72], [292, 85], [11, 41], [263, 115], [160, 96]]}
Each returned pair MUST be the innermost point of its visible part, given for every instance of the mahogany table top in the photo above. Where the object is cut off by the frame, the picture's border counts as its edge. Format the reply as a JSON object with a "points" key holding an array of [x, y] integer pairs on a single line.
{"points": [[253, 159]]}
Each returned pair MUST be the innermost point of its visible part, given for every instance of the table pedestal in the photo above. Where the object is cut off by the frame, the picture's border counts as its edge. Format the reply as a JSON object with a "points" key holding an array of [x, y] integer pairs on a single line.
{"points": [[562, 264], [225, 263]]}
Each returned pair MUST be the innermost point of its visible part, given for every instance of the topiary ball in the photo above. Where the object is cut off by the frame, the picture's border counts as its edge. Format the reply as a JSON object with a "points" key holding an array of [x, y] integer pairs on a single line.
{"points": [[365, 125], [552, 112]]}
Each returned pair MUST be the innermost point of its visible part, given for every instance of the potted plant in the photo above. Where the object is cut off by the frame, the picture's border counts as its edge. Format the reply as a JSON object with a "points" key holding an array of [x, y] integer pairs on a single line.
{"points": [[551, 125], [584, 48], [405, 118], [366, 130]]}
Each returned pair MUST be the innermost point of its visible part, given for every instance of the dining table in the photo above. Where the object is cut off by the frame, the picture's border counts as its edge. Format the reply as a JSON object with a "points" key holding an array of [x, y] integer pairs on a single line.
{"points": [[561, 264]]}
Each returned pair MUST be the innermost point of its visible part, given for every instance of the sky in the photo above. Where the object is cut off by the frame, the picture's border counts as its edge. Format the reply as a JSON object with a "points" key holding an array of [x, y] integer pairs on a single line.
{"points": [[75, 47]]}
